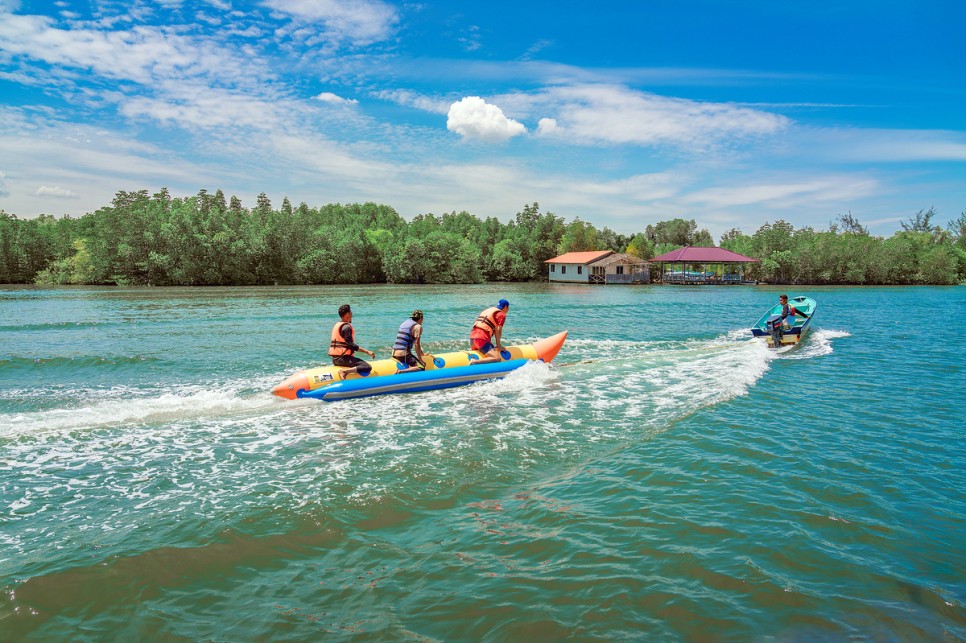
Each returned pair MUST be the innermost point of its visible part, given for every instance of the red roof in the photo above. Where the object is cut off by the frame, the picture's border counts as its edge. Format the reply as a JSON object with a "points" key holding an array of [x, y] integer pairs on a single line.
{"points": [[580, 257], [694, 254]]}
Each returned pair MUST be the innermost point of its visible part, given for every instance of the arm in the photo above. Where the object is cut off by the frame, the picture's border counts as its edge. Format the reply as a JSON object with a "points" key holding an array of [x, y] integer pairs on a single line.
{"points": [[346, 333], [417, 335], [498, 335]]}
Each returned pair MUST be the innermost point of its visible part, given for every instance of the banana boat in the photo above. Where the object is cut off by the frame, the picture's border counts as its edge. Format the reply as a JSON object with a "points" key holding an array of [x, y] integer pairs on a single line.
{"points": [[443, 371]]}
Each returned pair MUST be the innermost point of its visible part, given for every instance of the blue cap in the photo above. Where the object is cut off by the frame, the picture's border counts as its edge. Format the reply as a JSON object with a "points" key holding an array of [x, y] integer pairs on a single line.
{"points": [[503, 304]]}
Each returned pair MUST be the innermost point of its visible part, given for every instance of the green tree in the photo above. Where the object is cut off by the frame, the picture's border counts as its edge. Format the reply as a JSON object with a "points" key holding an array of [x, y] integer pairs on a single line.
{"points": [[579, 236], [640, 246]]}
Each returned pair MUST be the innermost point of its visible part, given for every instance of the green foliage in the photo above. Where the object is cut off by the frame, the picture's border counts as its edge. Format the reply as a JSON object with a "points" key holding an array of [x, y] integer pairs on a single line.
{"points": [[678, 233], [640, 246], [580, 236], [206, 239], [847, 254]]}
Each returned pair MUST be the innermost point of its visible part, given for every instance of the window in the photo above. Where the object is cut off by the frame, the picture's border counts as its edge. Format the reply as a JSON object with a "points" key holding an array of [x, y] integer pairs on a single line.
{"points": [[580, 270], [563, 270], [553, 267], [620, 270]]}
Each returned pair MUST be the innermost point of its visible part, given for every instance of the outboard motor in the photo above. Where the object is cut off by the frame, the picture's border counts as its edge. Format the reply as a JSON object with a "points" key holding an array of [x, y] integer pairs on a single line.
{"points": [[774, 326]]}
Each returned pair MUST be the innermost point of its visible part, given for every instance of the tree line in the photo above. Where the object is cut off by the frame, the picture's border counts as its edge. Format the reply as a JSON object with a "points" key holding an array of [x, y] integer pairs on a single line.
{"points": [[921, 252], [206, 239]]}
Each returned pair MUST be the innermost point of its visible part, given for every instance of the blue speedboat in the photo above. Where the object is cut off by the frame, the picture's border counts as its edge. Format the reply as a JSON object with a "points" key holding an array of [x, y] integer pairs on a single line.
{"points": [[790, 330]]}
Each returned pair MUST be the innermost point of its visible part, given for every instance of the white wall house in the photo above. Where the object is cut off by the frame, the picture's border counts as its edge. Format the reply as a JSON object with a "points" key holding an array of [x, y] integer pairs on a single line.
{"points": [[574, 267], [598, 267]]}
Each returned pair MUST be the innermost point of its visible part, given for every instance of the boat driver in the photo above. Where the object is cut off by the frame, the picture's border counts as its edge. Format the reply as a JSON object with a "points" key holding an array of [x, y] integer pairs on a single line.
{"points": [[789, 311], [783, 322], [343, 346]]}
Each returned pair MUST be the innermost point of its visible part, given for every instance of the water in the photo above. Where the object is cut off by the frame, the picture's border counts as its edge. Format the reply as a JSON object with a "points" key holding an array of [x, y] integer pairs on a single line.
{"points": [[667, 478]]}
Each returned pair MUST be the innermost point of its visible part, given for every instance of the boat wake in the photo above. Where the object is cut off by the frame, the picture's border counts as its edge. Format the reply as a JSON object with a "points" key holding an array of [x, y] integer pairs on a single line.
{"points": [[816, 344], [123, 406], [652, 384], [629, 383]]}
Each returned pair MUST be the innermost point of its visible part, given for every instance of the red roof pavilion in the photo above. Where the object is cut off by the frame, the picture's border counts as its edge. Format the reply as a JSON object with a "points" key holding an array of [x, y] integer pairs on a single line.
{"points": [[694, 254]]}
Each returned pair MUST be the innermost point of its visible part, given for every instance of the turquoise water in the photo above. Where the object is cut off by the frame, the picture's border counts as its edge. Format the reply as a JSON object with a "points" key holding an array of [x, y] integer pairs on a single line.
{"points": [[667, 478]]}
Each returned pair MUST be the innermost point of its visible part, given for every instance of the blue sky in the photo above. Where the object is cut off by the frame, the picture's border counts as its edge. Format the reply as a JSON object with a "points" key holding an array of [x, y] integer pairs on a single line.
{"points": [[620, 113]]}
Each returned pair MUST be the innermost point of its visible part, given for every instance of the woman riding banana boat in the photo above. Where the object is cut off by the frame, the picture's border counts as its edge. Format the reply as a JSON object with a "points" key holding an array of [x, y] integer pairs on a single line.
{"points": [[411, 369]]}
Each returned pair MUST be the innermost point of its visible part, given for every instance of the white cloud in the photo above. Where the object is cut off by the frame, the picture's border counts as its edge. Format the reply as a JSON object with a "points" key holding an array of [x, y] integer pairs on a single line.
{"points": [[535, 48], [55, 192], [194, 105], [4, 192], [474, 118], [412, 99], [141, 54], [471, 41], [546, 126], [888, 146], [787, 194], [333, 99], [362, 21], [611, 114]]}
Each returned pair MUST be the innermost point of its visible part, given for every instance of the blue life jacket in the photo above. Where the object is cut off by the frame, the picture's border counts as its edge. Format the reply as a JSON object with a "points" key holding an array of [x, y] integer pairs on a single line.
{"points": [[404, 339]]}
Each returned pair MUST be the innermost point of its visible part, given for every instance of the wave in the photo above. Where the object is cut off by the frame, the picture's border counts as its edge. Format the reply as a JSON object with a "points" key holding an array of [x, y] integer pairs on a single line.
{"points": [[50, 326], [124, 407], [19, 362]]}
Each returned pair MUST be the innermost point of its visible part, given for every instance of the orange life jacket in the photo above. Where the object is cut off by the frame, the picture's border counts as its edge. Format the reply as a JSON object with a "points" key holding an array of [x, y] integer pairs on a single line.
{"points": [[487, 320], [338, 346]]}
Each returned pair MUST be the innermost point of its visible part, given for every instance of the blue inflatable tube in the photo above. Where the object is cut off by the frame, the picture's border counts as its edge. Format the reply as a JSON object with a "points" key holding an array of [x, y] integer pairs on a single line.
{"points": [[414, 381]]}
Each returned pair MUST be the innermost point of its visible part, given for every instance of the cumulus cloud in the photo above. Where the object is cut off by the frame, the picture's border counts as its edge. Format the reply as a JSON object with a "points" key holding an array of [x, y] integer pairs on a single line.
{"points": [[334, 99], [363, 21], [55, 192], [546, 126], [474, 118]]}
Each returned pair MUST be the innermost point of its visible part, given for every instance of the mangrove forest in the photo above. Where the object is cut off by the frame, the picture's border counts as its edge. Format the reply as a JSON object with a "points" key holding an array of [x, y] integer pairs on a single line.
{"points": [[207, 240]]}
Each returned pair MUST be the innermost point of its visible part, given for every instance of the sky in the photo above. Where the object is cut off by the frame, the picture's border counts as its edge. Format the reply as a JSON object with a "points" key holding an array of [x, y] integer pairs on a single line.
{"points": [[620, 113]]}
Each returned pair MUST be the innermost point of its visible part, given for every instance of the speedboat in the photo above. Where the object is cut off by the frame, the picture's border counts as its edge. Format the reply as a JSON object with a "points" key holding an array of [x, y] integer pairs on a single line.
{"points": [[789, 331], [443, 371]]}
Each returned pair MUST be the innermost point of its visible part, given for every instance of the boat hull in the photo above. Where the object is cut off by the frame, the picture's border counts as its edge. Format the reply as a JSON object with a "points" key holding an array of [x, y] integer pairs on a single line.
{"points": [[414, 382], [443, 371]]}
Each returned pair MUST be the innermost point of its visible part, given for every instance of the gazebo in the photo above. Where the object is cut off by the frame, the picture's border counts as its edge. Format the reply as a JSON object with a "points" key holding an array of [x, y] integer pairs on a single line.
{"points": [[693, 265]]}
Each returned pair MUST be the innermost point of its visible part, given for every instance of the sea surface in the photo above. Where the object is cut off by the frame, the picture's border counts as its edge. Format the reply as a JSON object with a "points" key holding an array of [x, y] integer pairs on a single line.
{"points": [[667, 478]]}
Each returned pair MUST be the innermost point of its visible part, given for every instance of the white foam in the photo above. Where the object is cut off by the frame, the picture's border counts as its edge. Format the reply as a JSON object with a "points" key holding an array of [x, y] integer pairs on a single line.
{"points": [[817, 343], [134, 408]]}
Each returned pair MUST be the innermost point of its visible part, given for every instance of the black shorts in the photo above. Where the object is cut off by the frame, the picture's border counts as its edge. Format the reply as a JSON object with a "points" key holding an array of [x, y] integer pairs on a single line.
{"points": [[352, 360], [408, 360]]}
